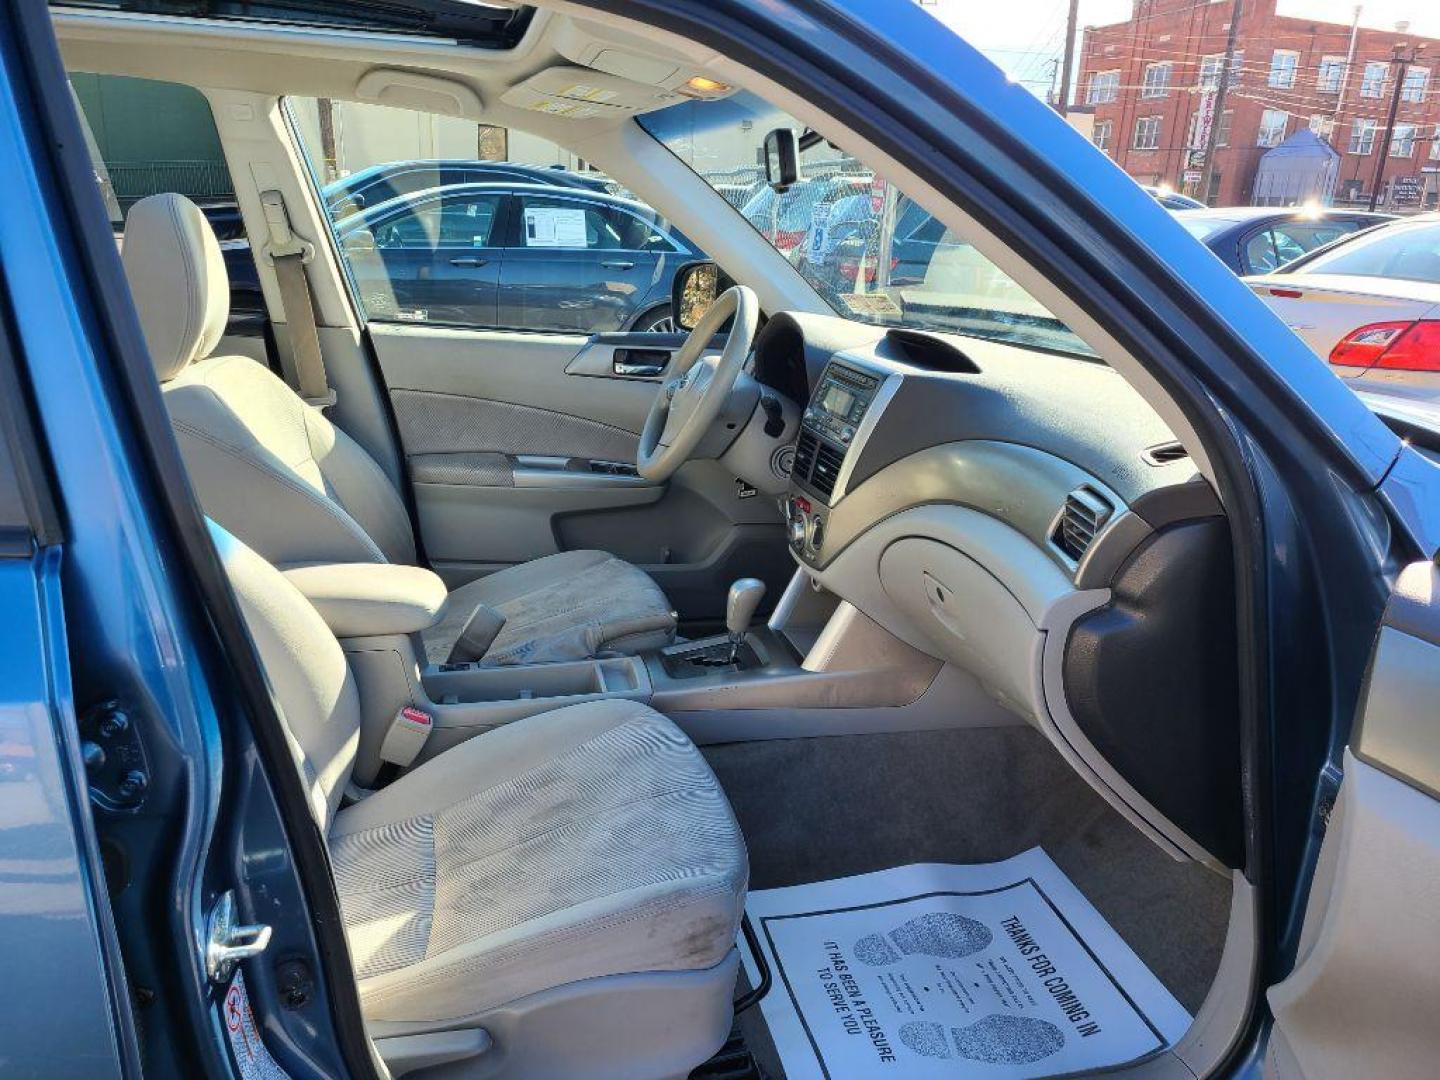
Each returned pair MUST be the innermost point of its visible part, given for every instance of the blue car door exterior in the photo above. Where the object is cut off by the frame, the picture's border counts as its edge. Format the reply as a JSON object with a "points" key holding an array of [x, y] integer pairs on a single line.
{"points": [[434, 259], [579, 265]]}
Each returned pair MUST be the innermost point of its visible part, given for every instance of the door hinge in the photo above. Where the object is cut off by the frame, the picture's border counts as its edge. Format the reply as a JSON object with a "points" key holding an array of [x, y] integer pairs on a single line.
{"points": [[228, 942]]}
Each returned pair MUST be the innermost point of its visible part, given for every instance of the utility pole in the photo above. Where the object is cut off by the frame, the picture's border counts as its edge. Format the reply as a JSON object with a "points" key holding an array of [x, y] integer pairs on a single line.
{"points": [[1401, 63], [1212, 138], [1067, 64]]}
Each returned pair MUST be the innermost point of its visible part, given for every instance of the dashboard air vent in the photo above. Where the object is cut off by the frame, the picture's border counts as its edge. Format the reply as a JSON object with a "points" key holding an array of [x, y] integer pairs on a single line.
{"points": [[1165, 453], [1084, 514], [805, 448], [827, 470]]}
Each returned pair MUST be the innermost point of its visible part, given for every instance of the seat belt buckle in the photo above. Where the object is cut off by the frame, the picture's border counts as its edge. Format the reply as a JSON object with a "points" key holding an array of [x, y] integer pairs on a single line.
{"points": [[406, 737]]}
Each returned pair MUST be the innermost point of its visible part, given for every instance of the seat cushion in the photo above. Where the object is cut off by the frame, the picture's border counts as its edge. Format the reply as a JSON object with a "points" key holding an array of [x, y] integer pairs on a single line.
{"points": [[589, 841], [560, 607]]}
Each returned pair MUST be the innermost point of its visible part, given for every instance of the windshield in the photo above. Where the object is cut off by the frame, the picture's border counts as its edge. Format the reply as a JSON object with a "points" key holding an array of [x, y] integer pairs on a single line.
{"points": [[1410, 252], [867, 249]]}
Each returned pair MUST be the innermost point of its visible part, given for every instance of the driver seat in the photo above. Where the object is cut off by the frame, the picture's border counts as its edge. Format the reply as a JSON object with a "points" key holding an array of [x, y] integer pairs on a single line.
{"points": [[277, 474]]}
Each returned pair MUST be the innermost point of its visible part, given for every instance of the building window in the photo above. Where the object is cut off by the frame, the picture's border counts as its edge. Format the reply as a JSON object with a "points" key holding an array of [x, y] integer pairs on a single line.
{"points": [[1362, 137], [1435, 143], [1372, 85], [1402, 143], [1147, 133], [1416, 80], [1157, 81], [1104, 131], [1210, 70], [1103, 88], [1222, 137], [1272, 127], [1332, 75], [1323, 125], [1283, 66]]}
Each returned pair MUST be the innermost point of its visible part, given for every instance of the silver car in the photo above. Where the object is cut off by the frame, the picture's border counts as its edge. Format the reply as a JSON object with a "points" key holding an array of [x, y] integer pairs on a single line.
{"points": [[1370, 306]]}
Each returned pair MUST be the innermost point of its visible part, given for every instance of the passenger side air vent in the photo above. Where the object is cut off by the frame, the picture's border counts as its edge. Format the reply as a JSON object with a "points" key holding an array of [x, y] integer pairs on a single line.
{"points": [[1084, 514], [1165, 453], [827, 470], [805, 448]]}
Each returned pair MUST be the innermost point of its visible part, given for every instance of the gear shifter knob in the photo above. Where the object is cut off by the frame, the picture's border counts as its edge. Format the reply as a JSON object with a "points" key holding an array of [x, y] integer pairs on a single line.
{"points": [[745, 597]]}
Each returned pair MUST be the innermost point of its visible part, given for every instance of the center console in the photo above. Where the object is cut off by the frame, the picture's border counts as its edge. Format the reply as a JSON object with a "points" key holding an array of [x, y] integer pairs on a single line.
{"points": [[831, 429]]}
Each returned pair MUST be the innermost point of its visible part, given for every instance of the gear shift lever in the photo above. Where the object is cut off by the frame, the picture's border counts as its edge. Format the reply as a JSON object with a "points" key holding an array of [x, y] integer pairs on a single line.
{"points": [[745, 597]]}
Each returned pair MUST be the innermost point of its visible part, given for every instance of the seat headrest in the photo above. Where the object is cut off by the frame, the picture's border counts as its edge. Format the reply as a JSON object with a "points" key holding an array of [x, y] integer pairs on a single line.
{"points": [[177, 279]]}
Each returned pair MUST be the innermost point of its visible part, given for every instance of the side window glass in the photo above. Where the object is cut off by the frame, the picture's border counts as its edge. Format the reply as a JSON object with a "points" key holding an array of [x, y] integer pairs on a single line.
{"points": [[443, 220], [458, 220], [1260, 252], [147, 138]]}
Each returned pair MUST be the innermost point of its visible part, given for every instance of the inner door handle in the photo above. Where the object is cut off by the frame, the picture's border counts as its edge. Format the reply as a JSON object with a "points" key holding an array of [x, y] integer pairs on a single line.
{"points": [[618, 264], [642, 363], [468, 261]]}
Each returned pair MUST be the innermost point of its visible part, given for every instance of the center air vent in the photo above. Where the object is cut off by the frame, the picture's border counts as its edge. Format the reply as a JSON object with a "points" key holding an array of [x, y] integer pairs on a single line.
{"points": [[1084, 514], [1165, 453], [805, 448], [827, 470]]}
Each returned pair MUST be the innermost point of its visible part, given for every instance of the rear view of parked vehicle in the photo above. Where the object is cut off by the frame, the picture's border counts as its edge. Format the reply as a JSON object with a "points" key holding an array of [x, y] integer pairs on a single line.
{"points": [[1371, 307]]}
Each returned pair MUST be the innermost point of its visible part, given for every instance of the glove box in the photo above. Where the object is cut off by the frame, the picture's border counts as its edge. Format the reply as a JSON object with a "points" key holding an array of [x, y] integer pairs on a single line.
{"points": [[967, 615]]}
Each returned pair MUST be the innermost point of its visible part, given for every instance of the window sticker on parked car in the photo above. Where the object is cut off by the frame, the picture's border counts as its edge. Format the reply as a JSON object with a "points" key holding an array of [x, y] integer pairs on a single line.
{"points": [[554, 226]]}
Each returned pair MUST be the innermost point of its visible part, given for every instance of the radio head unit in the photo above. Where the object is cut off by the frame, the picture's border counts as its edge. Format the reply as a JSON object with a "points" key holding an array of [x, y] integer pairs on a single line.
{"points": [[839, 403]]}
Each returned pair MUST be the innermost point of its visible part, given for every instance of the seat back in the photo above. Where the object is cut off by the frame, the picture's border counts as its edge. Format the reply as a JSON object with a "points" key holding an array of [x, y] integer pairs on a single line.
{"points": [[269, 468], [307, 671]]}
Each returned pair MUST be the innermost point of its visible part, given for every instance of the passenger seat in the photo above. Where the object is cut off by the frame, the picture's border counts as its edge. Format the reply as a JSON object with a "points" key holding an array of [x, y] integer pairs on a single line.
{"points": [[570, 884]]}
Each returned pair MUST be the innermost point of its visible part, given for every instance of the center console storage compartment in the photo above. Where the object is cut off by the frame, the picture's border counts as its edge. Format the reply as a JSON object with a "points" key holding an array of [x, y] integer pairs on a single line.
{"points": [[472, 683]]}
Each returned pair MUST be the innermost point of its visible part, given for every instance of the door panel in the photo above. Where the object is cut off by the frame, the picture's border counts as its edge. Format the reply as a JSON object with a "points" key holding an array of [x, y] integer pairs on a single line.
{"points": [[500, 431], [1361, 998]]}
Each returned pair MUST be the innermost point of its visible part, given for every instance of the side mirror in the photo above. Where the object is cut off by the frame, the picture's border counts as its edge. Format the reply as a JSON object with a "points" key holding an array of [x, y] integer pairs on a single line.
{"points": [[782, 159], [694, 289]]}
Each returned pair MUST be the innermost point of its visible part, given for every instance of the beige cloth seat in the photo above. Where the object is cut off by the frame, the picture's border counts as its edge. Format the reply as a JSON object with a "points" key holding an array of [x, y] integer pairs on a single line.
{"points": [[276, 473], [530, 881]]}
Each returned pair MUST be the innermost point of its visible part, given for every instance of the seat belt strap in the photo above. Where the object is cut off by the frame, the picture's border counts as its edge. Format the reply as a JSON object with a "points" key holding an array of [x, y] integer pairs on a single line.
{"points": [[406, 736], [301, 360]]}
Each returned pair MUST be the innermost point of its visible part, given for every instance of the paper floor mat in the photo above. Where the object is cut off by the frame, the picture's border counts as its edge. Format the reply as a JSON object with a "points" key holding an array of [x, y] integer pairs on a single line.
{"points": [[1000, 970]]}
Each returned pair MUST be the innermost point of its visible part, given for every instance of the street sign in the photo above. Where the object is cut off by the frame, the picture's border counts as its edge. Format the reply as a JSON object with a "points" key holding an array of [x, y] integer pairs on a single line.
{"points": [[1193, 176], [1407, 190]]}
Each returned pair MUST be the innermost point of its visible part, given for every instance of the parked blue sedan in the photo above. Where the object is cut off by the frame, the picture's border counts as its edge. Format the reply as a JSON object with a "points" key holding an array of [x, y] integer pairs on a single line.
{"points": [[521, 255]]}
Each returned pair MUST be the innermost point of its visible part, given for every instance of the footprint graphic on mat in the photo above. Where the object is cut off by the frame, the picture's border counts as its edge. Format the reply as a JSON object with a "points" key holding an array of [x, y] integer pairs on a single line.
{"points": [[926, 1038], [1001, 1039], [941, 933]]}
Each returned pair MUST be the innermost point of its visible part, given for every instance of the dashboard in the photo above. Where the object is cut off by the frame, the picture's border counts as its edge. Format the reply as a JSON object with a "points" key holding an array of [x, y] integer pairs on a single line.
{"points": [[1028, 518]]}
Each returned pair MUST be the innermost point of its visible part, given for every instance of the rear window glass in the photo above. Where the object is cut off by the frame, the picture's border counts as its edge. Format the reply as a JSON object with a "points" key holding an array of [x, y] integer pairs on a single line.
{"points": [[1410, 252]]}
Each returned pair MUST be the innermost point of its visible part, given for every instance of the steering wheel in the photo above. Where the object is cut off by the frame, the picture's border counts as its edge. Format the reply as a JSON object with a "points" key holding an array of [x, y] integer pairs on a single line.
{"points": [[695, 390]]}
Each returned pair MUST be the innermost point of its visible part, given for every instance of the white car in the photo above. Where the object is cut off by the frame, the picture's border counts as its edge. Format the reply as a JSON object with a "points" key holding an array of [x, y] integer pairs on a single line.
{"points": [[1370, 306]]}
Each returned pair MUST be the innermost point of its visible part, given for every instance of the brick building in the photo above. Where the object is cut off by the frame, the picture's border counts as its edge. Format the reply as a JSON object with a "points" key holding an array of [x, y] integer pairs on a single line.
{"points": [[1146, 79]]}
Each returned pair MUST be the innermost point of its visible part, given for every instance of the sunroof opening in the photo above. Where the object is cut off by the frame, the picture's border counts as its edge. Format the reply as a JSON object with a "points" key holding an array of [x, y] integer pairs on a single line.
{"points": [[471, 22]]}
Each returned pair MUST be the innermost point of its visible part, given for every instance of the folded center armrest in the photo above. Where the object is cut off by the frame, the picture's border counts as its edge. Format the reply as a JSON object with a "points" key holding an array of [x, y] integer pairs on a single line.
{"points": [[371, 599]]}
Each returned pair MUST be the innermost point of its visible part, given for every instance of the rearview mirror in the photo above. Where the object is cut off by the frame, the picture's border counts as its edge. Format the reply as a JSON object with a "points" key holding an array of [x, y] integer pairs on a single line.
{"points": [[782, 159], [695, 288]]}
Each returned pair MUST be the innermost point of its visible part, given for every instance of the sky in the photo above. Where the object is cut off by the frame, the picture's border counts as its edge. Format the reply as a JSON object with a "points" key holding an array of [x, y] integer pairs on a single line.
{"points": [[1025, 36]]}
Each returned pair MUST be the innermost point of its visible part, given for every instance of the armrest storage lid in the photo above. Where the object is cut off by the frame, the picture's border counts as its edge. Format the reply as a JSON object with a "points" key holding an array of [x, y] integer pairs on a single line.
{"points": [[371, 599]]}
